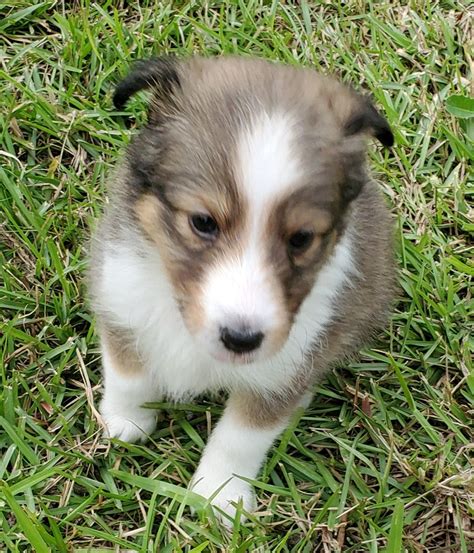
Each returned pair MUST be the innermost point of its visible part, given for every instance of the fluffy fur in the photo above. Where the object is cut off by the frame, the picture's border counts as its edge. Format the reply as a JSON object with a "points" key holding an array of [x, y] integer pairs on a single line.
{"points": [[272, 156]]}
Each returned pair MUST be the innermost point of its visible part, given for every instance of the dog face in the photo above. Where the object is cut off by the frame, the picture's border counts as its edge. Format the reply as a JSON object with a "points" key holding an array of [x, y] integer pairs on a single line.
{"points": [[243, 180]]}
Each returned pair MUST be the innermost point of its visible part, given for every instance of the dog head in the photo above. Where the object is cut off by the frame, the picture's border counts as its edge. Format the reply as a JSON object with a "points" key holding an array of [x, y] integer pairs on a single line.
{"points": [[242, 179]]}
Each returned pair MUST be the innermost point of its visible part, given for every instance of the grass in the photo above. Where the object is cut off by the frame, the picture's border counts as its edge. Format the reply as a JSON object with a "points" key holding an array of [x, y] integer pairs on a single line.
{"points": [[381, 460]]}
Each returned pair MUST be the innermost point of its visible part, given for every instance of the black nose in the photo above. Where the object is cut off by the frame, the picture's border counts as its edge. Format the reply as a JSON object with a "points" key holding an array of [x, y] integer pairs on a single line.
{"points": [[241, 341]]}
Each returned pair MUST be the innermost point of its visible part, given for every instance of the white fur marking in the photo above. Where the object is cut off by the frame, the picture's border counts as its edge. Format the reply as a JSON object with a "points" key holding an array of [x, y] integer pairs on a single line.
{"points": [[237, 292], [239, 289], [233, 450], [267, 161]]}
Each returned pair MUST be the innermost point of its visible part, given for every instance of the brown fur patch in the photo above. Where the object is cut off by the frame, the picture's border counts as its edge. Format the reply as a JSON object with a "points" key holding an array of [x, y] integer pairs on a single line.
{"points": [[296, 272], [119, 345], [364, 306], [257, 411], [148, 210]]}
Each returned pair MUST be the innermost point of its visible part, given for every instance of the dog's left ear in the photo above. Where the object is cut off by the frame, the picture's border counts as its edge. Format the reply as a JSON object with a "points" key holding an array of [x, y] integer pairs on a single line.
{"points": [[367, 119]]}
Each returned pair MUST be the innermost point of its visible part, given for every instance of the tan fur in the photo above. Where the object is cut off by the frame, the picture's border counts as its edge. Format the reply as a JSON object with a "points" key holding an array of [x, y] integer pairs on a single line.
{"points": [[147, 210], [257, 411], [119, 345]]}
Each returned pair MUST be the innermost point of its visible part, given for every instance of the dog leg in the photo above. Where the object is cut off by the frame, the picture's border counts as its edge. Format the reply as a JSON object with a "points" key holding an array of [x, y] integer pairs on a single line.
{"points": [[238, 447], [127, 387]]}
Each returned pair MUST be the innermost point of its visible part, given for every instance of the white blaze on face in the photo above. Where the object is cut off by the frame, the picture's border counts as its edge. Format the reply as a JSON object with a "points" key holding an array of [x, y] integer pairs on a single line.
{"points": [[241, 289], [268, 164]]}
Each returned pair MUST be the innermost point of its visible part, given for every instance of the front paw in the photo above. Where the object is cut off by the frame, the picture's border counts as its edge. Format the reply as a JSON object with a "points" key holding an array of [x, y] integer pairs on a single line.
{"points": [[232, 491], [131, 427]]}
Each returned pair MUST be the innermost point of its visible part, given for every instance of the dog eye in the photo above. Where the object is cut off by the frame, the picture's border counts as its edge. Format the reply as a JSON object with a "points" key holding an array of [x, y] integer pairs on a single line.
{"points": [[203, 225], [300, 240]]}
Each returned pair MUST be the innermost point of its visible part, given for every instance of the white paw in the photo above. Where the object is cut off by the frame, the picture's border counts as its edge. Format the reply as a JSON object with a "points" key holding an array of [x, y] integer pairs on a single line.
{"points": [[232, 493], [129, 427]]}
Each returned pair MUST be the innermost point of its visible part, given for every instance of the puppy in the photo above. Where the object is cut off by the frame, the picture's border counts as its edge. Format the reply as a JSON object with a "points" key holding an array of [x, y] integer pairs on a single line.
{"points": [[244, 248]]}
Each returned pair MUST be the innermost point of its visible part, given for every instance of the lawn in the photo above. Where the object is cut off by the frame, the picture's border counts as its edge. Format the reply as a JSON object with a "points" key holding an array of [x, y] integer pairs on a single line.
{"points": [[381, 459]]}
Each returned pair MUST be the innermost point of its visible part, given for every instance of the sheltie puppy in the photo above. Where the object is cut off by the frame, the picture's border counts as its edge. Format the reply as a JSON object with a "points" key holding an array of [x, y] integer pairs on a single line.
{"points": [[245, 248]]}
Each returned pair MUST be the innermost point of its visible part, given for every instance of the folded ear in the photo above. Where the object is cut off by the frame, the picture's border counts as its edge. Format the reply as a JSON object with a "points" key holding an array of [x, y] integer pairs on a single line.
{"points": [[366, 118], [160, 74]]}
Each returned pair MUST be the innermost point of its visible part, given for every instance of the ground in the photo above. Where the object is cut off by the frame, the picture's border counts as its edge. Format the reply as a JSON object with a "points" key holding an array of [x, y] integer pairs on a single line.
{"points": [[380, 461]]}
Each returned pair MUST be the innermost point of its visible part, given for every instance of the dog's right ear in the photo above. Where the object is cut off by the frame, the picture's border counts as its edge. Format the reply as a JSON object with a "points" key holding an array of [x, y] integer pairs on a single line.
{"points": [[159, 74]]}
